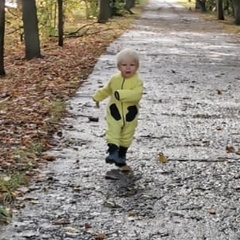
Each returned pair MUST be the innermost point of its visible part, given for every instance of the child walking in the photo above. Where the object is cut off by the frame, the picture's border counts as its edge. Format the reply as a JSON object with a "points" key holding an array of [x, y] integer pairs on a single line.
{"points": [[124, 90]]}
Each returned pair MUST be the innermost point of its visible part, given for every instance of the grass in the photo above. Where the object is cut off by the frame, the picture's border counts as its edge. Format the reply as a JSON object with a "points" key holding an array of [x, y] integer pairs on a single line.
{"points": [[57, 109], [5, 214], [9, 183]]}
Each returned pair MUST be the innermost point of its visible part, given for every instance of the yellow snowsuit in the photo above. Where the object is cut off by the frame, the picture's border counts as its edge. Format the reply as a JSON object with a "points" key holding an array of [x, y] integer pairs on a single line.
{"points": [[122, 108]]}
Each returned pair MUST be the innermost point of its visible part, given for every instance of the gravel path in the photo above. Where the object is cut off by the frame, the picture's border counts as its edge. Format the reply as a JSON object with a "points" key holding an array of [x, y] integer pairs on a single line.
{"points": [[190, 112]]}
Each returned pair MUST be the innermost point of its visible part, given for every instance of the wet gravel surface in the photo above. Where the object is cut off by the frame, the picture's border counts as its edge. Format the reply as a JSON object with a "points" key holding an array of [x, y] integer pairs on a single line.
{"points": [[190, 111]]}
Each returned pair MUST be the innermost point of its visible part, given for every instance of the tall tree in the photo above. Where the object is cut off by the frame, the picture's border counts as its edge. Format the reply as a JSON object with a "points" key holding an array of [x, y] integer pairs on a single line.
{"points": [[60, 23], [30, 27], [104, 11], [2, 33], [201, 4], [220, 12], [236, 8]]}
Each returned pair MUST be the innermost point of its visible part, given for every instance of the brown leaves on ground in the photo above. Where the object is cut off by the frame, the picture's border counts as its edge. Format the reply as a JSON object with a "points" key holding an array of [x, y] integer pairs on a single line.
{"points": [[33, 93]]}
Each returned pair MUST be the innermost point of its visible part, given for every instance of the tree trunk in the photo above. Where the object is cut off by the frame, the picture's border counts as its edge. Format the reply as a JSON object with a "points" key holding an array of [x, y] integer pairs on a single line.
{"points": [[236, 7], [104, 11], [30, 27], [201, 4], [60, 23], [128, 5], [220, 12], [2, 33], [227, 7]]}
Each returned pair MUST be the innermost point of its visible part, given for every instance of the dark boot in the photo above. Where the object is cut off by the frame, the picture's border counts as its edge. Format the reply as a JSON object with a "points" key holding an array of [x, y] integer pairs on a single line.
{"points": [[113, 153], [122, 156]]}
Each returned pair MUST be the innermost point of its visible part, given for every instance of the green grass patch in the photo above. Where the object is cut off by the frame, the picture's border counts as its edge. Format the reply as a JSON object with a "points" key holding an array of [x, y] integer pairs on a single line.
{"points": [[9, 182], [57, 109], [25, 156], [5, 215]]}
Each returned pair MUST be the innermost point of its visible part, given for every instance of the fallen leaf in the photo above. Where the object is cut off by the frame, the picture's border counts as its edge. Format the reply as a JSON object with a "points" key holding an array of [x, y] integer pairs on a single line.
{"points": [[126, 168], [212, 211], [61, 221], [100, 236], [87, 225], [49, 158], [23, 190], [230, 149], [162, 158], [132, 213], [111, 204], [71, 230], [238, 152]]}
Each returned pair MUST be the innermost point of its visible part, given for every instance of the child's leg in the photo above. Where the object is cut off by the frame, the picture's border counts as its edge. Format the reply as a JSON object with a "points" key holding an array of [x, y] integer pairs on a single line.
{"points": [[122, 153], [127, 136], [112, 153], [113, 134], [113, 131]]}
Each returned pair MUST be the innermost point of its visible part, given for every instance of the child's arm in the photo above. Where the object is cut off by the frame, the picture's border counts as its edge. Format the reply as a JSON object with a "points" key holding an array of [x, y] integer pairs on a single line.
{"points": [[130, 95], [102, 93]]}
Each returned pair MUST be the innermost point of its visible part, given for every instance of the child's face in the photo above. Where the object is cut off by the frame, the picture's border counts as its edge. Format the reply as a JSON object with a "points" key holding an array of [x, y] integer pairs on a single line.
{"points": [[127, 68]]}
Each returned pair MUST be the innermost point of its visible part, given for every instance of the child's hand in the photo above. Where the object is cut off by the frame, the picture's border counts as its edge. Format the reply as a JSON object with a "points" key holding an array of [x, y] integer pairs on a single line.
{"points": [[97, 105], [96, 102]]}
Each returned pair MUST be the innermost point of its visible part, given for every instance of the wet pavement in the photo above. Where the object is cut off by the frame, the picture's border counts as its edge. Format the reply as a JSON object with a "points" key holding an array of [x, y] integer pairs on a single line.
{"points": [[190, 112]]}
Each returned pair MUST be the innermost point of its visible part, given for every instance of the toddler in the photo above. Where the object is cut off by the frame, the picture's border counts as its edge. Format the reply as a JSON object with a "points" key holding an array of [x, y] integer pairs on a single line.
{"points": [[124, 90]]}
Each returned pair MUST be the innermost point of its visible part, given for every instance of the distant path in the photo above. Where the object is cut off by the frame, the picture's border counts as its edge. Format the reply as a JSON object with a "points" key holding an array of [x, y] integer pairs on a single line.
{"points": [[190, 112]]}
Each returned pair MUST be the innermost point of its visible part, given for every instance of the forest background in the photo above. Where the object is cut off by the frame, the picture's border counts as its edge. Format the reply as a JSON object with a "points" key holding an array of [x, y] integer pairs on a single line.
{"points": [[47, 50]]}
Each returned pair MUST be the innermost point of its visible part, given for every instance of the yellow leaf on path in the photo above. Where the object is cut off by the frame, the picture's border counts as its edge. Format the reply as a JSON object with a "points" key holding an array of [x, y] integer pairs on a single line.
{"points": [[126, 168], [100, 236], [162, 158]]}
